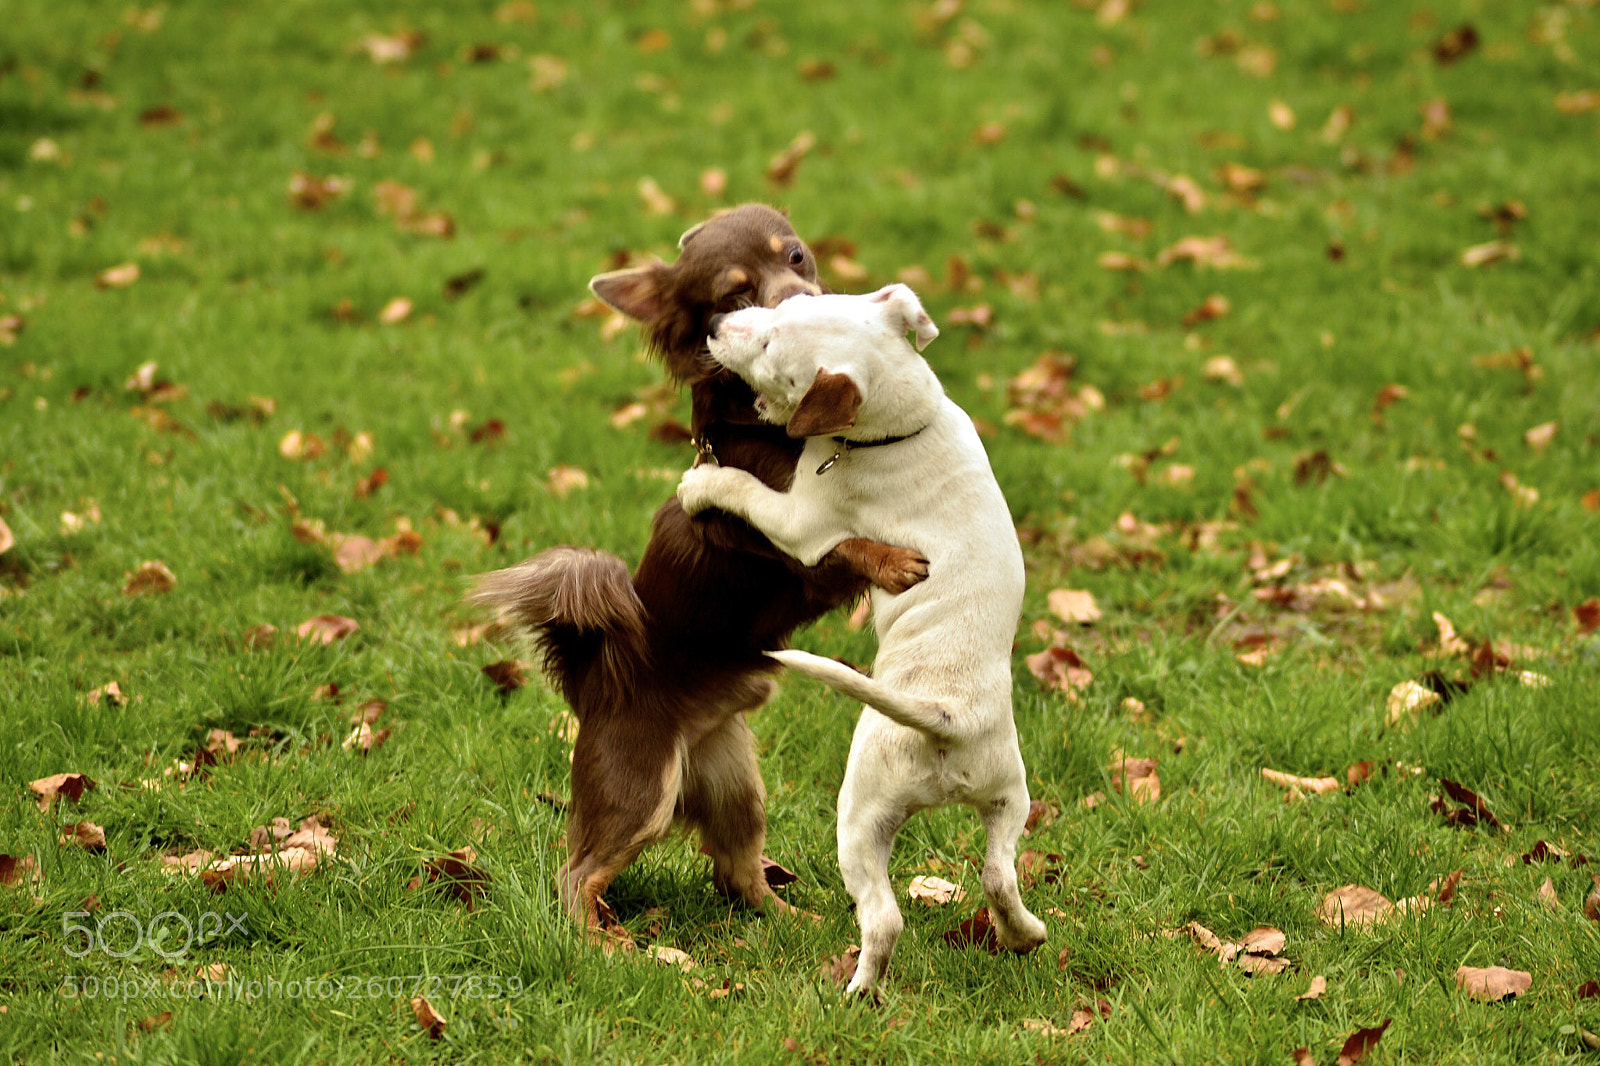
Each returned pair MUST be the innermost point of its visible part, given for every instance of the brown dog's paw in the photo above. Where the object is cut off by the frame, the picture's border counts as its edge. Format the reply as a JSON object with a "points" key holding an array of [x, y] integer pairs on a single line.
{"points": [[901, 569], [886, 566]]}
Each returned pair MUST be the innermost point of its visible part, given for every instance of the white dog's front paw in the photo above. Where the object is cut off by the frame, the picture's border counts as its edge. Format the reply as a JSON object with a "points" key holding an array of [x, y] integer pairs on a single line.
{"points": [[702, 488]]}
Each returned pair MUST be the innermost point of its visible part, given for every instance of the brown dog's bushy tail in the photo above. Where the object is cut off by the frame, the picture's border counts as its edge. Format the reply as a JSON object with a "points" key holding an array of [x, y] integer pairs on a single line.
{"points": [[580, 607]]}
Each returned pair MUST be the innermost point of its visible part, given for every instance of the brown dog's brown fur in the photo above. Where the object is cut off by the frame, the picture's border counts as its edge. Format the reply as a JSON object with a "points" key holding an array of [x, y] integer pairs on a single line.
{"points": [[660, 668]]}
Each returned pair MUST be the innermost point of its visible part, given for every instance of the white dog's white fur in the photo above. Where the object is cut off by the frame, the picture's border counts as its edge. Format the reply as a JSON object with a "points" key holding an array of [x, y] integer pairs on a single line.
{"points": [[938, 727]]}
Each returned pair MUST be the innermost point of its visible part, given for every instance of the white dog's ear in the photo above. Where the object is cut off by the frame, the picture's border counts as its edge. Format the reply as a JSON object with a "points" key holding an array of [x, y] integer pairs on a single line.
{"points": [[829, 406], [900, 300]]}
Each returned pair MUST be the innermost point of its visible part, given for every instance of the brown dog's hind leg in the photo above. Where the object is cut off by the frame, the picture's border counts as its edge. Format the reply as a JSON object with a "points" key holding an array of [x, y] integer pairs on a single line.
{"points": [[886, 566], [619, 807], [725, 798]]}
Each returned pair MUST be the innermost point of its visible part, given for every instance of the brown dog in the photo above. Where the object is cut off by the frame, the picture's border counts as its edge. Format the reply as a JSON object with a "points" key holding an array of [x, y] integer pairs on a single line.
{"points": [[660, 668]]}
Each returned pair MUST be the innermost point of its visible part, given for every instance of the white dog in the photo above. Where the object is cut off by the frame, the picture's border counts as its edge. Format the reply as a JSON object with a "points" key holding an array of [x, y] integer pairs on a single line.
{"points": [[889, 456]]}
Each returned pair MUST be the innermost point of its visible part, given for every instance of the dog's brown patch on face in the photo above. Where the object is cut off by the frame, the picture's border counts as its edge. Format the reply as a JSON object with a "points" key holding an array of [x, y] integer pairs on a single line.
{"points": [[736, 277], [776, 242], [829, 406]]}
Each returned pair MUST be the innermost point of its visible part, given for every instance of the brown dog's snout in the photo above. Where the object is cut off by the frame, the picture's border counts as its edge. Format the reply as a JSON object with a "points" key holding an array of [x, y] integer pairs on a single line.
{"points": [[789, 285]]}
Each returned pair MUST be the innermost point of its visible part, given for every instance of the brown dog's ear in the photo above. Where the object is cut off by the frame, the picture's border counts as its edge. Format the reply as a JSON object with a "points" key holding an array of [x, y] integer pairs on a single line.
{"points": [[903, 304], [829, 406], [638, 292]]}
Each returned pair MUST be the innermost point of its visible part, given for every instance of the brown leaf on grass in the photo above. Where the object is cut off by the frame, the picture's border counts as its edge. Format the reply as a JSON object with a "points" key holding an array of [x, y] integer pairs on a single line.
{"points": [[1316, 466], [456, 874], [61, 786], [1320, 786], [117, 277], [671, 956], [1038, 867], [1360, 1042], [1408, 699], [1591, 905], [1073, 606], [429, 1020], [1579, 102], [1475, 810], [976, 932], [311, 193], [1489, 253], [841, 968], [152, 578], [1121, 261], [1539, 437], [85, 835], [1042, 402], [1449, 642], [260, 636], [155, 1021], [1210, 309], [1457, 43], [1040, 814], [326, 628], [1492, 983], [1136, 777], [785, 165], [110, 693], [1060, 669], [8, 540], [297, 446], [508, 675], [1302, 1057], [935, 891], [1385, 398], [364, 738], [17, 870], [1185, 190], [1586, 616], [776, 875], [1214, 252], [1319, 985], [564, 480], [1354, 907], [1547, 895]]}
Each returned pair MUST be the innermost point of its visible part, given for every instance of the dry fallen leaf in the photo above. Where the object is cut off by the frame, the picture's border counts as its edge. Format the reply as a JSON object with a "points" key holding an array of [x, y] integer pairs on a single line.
{"points": [[508, 675], [117, 277], [456, 874], [841, 968], [1547, 895], [85, 835], [8, 540], [1319, 985], [563, 480], [1493, 983], [935, 891], [326, 628], [782, 169], [1490, 252], [671, 956], [1360, 1042], [1059, 669], [152, 577], [1135, 776], [976, 932], [1406, 700], [429, 1020], [1073, 606], [1591, 905], [1321, 786], [61, 786], [17, 870], [1353, 906], [1539, 437]]}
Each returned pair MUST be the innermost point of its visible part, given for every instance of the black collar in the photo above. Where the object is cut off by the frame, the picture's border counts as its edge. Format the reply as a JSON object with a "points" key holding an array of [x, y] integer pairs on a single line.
{"points": [[846, 445]]}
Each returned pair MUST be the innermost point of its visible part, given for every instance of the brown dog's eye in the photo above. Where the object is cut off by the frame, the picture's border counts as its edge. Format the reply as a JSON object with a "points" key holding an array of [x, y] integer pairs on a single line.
{"points": [[796, 257]]}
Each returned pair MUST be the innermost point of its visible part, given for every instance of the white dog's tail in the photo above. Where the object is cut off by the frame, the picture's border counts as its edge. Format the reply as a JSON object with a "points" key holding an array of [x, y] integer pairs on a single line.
{"points": [[914, 712]]}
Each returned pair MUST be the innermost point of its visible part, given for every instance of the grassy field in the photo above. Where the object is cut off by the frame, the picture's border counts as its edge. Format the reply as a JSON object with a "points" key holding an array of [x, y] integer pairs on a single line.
{"points": [[362, 234]]}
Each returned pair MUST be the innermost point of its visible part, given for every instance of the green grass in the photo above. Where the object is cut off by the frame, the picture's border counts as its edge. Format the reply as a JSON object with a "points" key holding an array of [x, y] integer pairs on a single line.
{"points": [[238, 296]]}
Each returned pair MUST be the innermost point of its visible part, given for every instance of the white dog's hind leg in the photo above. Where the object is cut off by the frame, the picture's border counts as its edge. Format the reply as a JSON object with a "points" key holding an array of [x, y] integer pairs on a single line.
{"points": [[1003, 820], [866, 836]]}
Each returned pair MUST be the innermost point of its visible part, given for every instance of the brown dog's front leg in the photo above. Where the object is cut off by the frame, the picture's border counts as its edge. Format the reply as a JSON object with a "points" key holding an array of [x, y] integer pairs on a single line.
{"points": [[886, 566]]}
